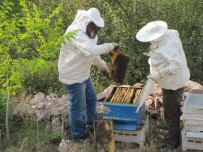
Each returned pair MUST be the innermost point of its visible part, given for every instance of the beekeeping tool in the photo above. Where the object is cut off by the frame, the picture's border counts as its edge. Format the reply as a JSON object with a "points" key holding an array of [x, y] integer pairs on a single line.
{"points": [[148, 88]]}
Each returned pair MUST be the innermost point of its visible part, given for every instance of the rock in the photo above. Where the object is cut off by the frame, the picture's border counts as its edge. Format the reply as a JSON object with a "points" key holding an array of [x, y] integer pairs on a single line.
{"points": [[196, 91], [52, 98], [40, 105], [193, 86], [63, 146], [42, 108], [39, 97], [42, 115]]}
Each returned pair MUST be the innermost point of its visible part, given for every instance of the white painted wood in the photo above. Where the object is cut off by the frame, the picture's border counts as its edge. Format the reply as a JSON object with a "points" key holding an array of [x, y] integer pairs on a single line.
{"points": [[194, 123], [186, 116], [137, 136], [191, 140], [194, 134], [194, 128], [193, 104]]}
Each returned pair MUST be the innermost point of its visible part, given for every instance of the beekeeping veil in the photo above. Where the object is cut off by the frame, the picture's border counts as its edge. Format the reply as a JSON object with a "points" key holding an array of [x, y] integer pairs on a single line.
{"points": [[83, 18]]}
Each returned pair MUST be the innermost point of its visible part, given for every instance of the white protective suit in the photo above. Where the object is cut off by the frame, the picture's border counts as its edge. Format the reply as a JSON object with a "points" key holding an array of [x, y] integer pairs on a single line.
{"points": [[169, 61], [78, 54]]}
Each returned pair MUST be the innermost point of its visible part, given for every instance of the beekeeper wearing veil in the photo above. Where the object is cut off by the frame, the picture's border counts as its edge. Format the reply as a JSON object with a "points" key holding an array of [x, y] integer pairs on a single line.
{"points": [[74, 65], [168, 68]]}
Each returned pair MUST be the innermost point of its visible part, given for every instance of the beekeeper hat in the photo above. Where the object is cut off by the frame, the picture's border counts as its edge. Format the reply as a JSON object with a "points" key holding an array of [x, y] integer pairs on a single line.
{"points": [[94, 15], [151, 31]]}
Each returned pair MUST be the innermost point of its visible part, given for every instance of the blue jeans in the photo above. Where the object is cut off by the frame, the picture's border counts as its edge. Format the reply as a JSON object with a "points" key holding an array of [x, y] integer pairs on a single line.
{"points": [[83, 102]]}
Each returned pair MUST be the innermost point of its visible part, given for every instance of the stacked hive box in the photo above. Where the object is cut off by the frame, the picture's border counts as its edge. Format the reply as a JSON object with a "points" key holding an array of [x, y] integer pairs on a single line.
{"points": [[136, 136], [192, 133], [123, 103], [129, 125]]}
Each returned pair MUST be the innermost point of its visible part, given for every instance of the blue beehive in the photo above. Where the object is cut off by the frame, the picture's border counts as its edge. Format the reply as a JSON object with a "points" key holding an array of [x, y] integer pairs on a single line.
{"points": [[124, 115]]}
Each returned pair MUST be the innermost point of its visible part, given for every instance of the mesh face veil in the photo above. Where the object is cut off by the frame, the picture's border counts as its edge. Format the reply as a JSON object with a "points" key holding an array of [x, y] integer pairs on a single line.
{"points": [[92, 30], [153, 45]]}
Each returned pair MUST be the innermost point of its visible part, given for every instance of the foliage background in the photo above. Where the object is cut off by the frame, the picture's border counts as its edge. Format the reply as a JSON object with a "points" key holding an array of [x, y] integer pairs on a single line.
{"points": [[31, 32]]}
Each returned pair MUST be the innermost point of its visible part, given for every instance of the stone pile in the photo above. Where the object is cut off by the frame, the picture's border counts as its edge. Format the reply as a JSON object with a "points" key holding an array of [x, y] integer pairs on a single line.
{"points": [[51, 107]]}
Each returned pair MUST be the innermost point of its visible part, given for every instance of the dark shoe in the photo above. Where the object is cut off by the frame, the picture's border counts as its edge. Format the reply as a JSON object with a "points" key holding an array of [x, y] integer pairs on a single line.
{"points": [[85, 138], [90, 130], [167, 148], [163, 133]]}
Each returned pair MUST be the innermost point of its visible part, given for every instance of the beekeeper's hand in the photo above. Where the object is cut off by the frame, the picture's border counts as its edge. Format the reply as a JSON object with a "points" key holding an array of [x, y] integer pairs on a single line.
{"points": [[115, 48], [105, 72], [165, 72], [113, 45], [155, 76]]}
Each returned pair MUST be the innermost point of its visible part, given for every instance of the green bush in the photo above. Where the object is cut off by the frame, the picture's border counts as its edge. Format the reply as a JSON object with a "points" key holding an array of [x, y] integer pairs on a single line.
{"points": [[39, 25]]}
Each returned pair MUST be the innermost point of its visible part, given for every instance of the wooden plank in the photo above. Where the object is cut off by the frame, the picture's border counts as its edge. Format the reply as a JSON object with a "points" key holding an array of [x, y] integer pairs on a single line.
{"points": [[186, 116], [191, 140], [193, 122], [137, 136], [194, 134]]}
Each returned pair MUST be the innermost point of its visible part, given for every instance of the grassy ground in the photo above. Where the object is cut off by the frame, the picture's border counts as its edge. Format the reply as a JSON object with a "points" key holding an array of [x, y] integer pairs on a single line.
{"points": [[27, 137]]}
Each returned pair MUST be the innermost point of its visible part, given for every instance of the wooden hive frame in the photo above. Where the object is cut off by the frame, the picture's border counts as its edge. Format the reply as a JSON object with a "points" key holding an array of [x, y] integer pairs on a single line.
{"points": [[119, 65]]}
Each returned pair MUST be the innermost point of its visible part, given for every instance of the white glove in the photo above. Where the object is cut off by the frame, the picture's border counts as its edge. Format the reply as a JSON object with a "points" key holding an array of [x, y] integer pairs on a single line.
{"points": [[101, 64], [154, 76], [106, 73], [113, 45], [160, 74], [165, 72]]}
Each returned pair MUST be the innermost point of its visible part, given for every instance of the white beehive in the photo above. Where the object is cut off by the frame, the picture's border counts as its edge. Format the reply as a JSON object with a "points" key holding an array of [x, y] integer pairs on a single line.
{"points": [[192, 122], [192, 133], [193, 104], [137, 136], [192, 140]]}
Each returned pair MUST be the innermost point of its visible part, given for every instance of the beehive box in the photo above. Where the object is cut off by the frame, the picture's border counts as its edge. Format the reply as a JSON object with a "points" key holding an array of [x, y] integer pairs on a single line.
{"points": [[192, 122], [137, 136], [193, 104], [192, 140], [192, 133], [123, 103]]}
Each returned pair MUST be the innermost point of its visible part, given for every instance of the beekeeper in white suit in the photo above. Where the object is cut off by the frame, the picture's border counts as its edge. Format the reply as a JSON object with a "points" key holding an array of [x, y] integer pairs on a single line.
{"points": [[75, 60], [168, 67]]}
